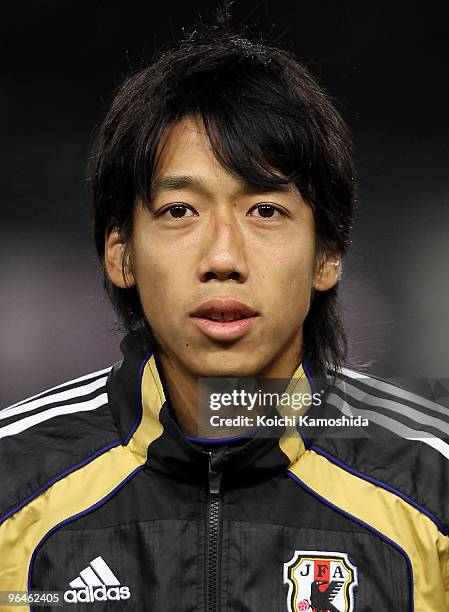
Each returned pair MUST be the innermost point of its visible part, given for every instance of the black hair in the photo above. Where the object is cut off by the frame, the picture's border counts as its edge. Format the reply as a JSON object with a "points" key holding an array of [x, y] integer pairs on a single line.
{"points": [[267, 121]]}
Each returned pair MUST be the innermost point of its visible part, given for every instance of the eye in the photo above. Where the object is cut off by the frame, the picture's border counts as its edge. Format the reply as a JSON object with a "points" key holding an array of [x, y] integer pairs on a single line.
{"points": [[178, 211], [267, 211]]}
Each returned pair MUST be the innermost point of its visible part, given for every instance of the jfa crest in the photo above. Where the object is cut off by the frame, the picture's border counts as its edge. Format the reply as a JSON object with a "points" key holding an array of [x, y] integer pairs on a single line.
{"points": [[320, 581]]}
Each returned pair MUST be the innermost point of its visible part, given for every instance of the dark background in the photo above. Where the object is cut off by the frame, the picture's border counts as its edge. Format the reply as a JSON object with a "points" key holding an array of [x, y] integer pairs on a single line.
{"points": [[386, 64]]}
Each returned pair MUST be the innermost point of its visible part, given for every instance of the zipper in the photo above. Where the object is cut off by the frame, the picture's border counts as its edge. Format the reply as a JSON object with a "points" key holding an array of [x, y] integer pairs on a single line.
{"points": [[216, 463]]}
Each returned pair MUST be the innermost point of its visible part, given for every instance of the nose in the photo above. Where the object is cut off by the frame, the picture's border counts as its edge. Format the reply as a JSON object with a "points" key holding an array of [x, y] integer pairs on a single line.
{"points": [[223, 250]]}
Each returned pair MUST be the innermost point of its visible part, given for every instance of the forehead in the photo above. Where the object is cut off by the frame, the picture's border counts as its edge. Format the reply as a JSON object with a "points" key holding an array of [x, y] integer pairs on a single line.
{"points": [[183, 145], [185, 159]]}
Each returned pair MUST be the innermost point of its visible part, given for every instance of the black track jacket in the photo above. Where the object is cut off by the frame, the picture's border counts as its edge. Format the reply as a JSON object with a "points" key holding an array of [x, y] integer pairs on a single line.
{"points": [[106, 503]]}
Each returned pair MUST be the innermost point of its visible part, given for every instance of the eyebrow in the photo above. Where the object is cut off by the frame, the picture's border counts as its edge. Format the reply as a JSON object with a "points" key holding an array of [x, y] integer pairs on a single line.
{"points": [[176, 182], [173, 182]]}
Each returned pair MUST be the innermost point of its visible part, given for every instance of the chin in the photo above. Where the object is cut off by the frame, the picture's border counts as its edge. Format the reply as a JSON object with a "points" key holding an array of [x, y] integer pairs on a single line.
{"points": [[217, 367]]}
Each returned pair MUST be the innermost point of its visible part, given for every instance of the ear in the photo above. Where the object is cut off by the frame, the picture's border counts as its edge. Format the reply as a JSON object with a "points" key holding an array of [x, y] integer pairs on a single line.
{"points": [[116, 259], [327, 271]]}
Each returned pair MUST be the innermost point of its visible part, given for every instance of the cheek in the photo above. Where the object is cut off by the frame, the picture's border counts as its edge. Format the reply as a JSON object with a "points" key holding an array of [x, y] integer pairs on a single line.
{"points": [[290, 273], [289, 283], [159, 279]]}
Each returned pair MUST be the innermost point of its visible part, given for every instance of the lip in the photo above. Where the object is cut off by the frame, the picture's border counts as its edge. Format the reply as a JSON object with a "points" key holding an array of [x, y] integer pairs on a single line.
{"points": [[229, 331], [226, 330]]}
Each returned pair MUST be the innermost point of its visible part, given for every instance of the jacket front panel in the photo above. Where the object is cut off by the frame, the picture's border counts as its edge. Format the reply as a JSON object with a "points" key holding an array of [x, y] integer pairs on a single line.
{"points": [[158, 524]]}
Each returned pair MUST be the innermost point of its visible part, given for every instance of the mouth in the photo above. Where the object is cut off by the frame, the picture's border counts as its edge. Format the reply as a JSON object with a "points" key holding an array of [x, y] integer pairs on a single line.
{"points": [[224, 319]]}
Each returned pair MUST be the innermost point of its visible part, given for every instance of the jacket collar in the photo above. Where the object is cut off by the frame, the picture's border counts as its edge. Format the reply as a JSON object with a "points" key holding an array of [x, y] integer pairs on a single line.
{"points": [[144, 417]]}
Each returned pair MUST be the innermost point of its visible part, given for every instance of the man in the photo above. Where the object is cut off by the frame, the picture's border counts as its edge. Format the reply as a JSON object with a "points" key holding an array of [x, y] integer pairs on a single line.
{"points": [[223, 194]]}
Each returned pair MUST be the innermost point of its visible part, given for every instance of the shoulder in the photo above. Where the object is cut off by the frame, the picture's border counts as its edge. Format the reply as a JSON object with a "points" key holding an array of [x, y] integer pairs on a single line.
{"points": [[48, 435], [405, 448]]}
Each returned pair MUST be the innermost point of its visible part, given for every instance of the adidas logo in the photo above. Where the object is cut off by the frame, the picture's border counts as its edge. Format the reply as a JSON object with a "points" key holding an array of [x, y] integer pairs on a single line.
{"points": [[96, 583]]}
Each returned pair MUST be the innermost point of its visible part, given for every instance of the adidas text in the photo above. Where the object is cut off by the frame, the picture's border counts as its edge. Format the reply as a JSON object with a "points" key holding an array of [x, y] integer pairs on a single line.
{"points": [[90, 594]]}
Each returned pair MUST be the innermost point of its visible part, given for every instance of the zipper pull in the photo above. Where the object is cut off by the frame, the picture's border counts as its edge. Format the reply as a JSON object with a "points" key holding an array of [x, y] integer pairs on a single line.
{"points": [[217, 460]]}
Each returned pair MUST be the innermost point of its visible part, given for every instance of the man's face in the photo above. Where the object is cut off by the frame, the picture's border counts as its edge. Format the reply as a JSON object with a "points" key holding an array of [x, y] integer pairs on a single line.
{"points": [[209, 235]]}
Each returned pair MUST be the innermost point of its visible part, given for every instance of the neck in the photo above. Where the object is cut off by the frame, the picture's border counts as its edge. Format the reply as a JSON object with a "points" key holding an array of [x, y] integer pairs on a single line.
{"points": [[182, 385]]}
